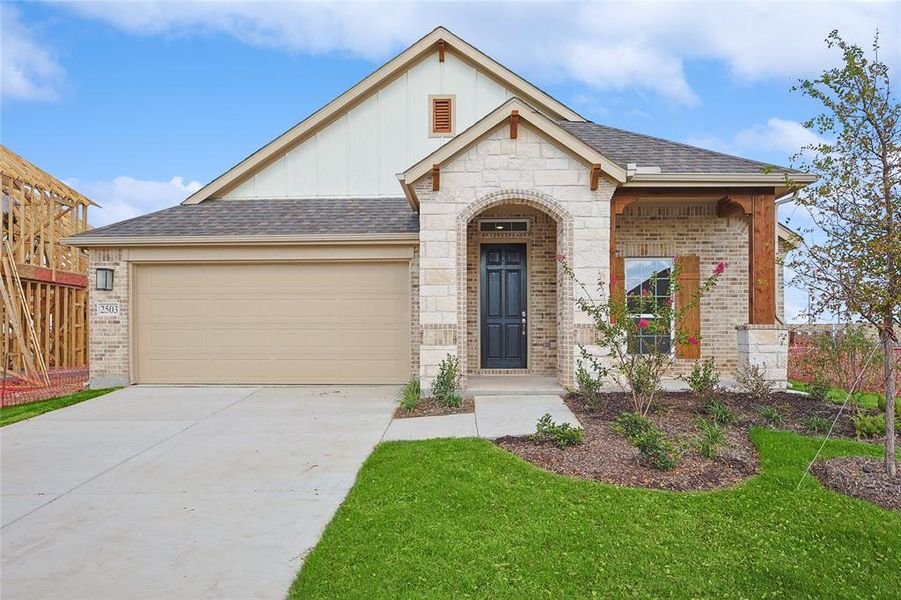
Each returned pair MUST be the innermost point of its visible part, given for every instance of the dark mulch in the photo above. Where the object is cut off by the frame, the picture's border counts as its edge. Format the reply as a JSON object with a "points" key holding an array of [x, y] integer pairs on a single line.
{"points": [[860, 477], [429, 407], [606, 456]]}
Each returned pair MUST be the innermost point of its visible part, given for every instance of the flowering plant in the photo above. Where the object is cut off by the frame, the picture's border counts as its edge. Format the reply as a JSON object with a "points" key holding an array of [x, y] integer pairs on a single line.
{"points": [[636, 330]]}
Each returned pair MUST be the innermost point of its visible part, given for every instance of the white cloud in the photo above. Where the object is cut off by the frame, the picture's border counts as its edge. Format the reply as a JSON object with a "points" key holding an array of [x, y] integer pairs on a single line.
{"points": [[607, 46], [126, 197], [776, 136], [29, 71]]}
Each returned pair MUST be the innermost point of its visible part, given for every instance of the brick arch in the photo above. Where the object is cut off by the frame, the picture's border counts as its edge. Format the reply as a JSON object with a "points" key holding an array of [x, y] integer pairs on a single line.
{"points": [[565, 302]]}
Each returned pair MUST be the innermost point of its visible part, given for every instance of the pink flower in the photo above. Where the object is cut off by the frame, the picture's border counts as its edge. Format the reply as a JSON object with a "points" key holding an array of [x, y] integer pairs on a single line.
{"points": [[644, 292], [693, 340], [720, 268], [668, 301], [560, 258], [643, 323]]}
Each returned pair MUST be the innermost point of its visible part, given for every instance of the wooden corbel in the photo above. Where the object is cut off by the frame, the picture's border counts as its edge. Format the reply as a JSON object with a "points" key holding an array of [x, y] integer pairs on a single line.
{"points": [[595, 176], [436, 174], [514, 124], [736, 205], [440, 50]]}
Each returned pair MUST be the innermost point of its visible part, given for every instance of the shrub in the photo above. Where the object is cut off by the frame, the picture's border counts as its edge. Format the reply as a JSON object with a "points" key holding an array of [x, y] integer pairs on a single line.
{"points": [[703, 379], [588, 386], [868, 426], [720, 413], [772, 415], [562, 434], [411, 394], [710, 439], [818, 424], [657, 450], [881, 402], [818, 389], [631, 425], [752, 380], [446, 387]]}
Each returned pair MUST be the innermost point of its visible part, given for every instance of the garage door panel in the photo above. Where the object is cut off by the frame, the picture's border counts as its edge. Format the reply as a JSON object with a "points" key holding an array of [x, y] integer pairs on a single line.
{"points": [[272, 323]]}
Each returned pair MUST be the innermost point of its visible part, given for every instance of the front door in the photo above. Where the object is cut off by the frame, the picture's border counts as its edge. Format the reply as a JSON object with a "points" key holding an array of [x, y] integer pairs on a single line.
{"points": [[503, 306]]}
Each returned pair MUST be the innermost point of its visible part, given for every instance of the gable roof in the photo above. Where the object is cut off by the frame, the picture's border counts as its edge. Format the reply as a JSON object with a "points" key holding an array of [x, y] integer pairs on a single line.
{"points": [[262, 220], [671, 159], [547, 126], [24, 172], [377, 79]]}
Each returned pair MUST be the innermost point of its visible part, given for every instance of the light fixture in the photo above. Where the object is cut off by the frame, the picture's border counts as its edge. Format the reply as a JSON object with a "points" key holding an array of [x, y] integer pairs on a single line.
{"points": [[105, 279]]}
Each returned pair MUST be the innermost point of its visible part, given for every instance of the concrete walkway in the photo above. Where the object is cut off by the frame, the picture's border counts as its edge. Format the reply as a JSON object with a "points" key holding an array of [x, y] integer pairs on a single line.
{"points": [[494, 417], [179, 492]]}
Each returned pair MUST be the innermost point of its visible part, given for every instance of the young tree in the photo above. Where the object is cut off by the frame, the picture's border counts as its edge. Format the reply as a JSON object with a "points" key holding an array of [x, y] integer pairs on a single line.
{"points": [[851, 266]]}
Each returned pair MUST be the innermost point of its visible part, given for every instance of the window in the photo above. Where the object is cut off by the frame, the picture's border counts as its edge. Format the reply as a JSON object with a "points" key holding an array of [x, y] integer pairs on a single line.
{"points": [[647, 285], [488, 225], [104, 279], [441, 115]]}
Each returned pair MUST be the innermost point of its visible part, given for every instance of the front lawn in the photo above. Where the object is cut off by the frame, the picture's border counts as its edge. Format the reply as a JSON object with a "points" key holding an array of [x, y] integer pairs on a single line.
{"points": [[13, 414], [463, 518], [837, 395]]}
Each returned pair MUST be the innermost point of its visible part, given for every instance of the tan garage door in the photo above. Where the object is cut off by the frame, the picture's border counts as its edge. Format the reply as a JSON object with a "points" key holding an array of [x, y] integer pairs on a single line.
{"points": [[272, 323]]}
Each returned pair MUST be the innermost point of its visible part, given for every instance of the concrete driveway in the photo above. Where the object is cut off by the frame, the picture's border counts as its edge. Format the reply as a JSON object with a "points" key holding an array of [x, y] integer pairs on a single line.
{"points": [[179, 492]]}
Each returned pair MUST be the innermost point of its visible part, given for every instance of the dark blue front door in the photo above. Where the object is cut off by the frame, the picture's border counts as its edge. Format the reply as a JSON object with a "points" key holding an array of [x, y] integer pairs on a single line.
{"points": [[503, 306]]}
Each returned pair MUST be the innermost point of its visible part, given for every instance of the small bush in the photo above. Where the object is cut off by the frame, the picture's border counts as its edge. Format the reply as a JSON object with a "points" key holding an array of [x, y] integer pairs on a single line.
{"points": [[818, 389], [772, 415], [411, 394], [657, 450], [720, 413], [704, 379], [588, 387], [562, 434], [710, 439], [868, 426], [631, 425], [818, 424], [446, 387], [752, 380], [881, 402]]}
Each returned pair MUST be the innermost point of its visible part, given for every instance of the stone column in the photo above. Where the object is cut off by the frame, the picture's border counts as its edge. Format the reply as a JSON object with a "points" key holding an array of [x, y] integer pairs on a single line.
{"points": [[767, 347]]}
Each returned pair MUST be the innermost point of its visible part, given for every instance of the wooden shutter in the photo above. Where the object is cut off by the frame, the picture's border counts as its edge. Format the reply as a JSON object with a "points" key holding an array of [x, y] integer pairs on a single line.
{"points": [[442, 115], [617, 279], [689, 282]]}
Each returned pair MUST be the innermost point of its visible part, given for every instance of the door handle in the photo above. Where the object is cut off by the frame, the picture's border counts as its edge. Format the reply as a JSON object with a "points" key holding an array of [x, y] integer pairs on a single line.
{"points": [[523, 328]]}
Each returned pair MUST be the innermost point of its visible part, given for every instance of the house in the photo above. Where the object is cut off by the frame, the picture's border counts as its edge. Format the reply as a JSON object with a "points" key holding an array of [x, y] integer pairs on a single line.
{"points": [[420, 214]]}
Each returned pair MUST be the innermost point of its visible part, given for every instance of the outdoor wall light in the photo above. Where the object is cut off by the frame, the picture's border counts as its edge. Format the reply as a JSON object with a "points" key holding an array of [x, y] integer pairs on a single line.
{"points": [[104, 279]]}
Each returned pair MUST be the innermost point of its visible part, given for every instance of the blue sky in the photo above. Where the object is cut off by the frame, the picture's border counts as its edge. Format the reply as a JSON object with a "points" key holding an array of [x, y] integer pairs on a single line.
{"points": [[138, 103]]}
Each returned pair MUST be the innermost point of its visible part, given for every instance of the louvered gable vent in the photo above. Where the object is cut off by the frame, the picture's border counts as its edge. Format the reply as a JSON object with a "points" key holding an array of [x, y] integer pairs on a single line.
{"points": [[442, 116]]}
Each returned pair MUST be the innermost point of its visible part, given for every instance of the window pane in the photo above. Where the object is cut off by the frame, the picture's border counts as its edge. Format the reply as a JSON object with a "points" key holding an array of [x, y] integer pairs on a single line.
{"points": [[647, 287]]}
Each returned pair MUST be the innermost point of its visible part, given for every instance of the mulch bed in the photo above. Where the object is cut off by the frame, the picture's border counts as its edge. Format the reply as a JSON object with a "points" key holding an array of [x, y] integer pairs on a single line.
{"points": [[429, 407], [860, 477], [607, 456]]}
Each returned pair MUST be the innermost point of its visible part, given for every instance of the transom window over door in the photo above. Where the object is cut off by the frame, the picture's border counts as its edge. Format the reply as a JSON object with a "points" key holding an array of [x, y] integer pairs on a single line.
{"points": [[648, 282]]}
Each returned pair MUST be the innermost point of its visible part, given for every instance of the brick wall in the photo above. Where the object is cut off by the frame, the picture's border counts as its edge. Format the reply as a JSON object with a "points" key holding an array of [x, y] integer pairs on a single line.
{"points": [[108, 344], [649, 229], [541, 240]]}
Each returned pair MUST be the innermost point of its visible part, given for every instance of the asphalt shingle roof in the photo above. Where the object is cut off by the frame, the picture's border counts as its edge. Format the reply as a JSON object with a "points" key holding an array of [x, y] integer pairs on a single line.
{"points": [[625, 147], [276, 216]]}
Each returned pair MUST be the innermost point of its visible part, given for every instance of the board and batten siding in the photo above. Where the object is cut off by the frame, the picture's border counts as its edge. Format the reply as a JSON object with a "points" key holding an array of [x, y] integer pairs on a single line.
{"points": [[361, 152]]}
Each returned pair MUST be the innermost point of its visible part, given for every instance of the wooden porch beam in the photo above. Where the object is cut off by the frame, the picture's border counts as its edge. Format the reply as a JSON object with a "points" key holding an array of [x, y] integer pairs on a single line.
{"points": [[762, 255]]}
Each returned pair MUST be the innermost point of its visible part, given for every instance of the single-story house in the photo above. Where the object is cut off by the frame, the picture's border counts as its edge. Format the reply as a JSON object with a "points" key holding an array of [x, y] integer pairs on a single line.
{"points": [[422, 213]]}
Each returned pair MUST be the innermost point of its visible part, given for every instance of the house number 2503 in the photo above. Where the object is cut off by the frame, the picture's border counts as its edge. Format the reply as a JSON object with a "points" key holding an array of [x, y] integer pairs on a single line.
{"points": [[108, 309]]}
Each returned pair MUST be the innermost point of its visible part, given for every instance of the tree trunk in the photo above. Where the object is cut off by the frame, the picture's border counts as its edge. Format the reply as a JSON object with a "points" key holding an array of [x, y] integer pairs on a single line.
{"points": [[888, 346]]}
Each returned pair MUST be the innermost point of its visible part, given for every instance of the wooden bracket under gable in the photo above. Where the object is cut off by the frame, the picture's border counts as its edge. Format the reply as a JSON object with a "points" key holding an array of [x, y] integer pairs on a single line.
{"points": [[595, 176], [436, 174], [514, 124], [440, 50], [734, 205]]}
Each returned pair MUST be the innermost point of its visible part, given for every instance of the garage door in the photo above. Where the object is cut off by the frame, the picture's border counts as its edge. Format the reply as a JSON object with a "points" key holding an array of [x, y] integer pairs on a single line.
{"points": [[272, 323]]}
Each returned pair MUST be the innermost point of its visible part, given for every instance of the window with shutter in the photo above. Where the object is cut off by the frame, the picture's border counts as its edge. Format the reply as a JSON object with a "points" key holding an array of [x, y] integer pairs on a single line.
{"points": [[442, 112]]}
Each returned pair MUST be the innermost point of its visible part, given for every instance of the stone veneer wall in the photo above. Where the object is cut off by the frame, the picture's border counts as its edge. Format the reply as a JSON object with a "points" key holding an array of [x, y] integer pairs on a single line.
{"points": [[497, 170], [541, 240], [648, 229], [765, 346], [108, 343]]}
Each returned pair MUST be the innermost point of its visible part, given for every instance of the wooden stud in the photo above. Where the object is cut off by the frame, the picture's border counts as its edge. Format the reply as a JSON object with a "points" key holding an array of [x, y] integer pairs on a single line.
{"points": [[514, 124], [595, 177], [436, 178], [440, 50]]}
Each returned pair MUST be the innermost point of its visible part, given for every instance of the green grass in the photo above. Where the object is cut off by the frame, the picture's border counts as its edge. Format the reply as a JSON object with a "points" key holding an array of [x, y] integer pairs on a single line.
{"points": [[462, 518], [866, 399], [14, 414]]}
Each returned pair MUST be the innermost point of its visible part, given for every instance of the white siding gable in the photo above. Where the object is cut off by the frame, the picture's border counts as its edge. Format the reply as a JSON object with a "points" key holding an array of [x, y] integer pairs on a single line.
{"points": [[360, 153]]}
